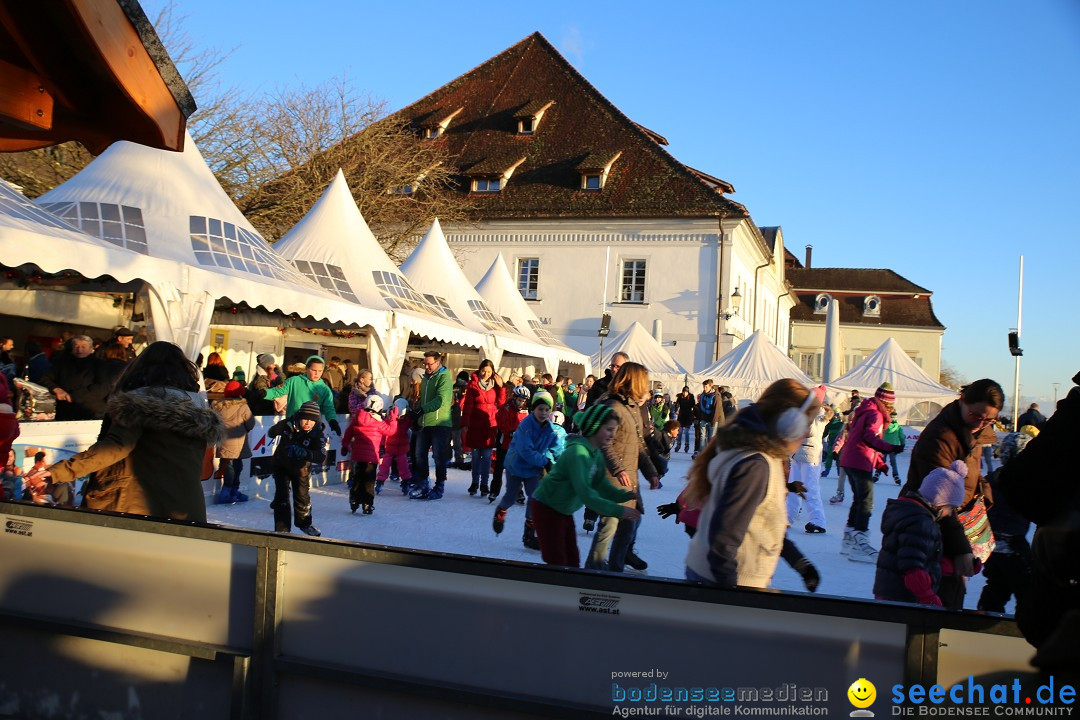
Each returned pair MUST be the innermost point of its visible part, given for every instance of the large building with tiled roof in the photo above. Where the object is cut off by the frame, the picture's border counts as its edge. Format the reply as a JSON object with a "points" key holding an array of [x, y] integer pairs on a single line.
{"points": [[578, 198], [874, 305]]}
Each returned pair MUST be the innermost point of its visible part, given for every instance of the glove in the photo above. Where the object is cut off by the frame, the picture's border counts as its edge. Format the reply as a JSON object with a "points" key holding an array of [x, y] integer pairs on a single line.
{"points": [[798, 488], [920, 585], [335, 427], [666, 511], [898, 448], [810, 577], [344, 450]]}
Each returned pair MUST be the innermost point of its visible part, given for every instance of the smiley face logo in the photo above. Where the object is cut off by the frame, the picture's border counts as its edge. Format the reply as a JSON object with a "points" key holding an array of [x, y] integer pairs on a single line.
{"points": [[862, 693]]}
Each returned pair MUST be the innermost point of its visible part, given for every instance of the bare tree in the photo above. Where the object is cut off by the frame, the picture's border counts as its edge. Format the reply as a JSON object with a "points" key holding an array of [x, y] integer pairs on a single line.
{"points": [[950, 378], [278, 155]]}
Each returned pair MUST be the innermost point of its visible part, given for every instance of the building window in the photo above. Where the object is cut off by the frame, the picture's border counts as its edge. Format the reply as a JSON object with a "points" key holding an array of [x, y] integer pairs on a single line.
{"points": [[591, 182], [487, 185], [526, 125], [432, 132], [853, 359], [810, 363], [633, 282], [872, 306], [529, 278], [821, 303]]}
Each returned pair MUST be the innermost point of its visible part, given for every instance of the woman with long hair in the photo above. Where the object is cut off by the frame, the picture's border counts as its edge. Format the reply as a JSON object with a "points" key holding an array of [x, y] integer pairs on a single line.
{"points": [[484, 395], [624, 455], [738, 482], [149, 455], [215, 368]]}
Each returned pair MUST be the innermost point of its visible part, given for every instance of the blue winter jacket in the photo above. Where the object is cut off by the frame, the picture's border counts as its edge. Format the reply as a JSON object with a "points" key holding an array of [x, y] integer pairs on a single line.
{"points": [[532, 448], [911, 540]]}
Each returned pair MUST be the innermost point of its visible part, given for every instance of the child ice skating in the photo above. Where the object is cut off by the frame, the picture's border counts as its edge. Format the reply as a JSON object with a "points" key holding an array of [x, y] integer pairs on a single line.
{"points": [[236, 414], [507, 419], [397, 449], [911, 561], [302, 443], [578, 478], [532, 451], [805, 464], [365, 433]]}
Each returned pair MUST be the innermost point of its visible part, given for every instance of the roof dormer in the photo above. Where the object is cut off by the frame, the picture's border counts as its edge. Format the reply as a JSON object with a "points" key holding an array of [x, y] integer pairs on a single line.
{"points": [[529, 116], [821, 303], [594, 169], [491, 175], [872, 306], [434, 131]]}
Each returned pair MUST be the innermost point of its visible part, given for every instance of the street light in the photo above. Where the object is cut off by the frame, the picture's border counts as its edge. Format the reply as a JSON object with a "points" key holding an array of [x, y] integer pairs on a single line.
{"points": [[1055, 393], [733, 306]]}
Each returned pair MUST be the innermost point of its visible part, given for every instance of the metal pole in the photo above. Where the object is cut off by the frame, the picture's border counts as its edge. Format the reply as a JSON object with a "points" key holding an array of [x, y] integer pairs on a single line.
{"points": [[1016, 371], [603, 300]]}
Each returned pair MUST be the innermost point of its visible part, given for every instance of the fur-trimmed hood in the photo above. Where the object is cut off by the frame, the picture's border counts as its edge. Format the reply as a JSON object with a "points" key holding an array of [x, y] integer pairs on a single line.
{"points": [[168, 409]]}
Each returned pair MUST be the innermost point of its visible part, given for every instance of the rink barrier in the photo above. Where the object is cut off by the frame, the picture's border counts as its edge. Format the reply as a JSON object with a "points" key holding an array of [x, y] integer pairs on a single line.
{"points": [[264, 625]]}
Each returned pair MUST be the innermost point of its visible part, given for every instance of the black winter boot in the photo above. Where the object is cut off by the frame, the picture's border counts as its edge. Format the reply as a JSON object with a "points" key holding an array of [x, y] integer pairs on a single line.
{"points": [[528, 539]]}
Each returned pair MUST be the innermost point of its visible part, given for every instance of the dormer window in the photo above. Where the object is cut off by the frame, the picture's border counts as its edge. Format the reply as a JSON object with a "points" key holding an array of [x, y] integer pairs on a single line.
{"points": [[435, 131], [821, 303], [491, 176], [594, 170], [529, 116], [401, 190], [487, 185], [872, 306]]}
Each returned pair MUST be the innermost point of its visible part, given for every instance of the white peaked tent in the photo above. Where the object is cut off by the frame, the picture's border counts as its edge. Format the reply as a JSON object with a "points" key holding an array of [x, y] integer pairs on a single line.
{"points": [[168, 206], [498, 291], [639, 344], [334, 245], [889, 363], [435, 272], [751, 366]]}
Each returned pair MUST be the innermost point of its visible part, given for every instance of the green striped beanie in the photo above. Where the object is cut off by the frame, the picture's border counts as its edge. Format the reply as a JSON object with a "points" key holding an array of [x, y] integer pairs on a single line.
{"points": [[589, 421]]}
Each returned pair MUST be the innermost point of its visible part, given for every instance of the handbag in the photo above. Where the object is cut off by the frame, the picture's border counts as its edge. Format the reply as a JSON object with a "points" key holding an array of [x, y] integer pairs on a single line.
{"points": [[207, 464], [977, 528]]}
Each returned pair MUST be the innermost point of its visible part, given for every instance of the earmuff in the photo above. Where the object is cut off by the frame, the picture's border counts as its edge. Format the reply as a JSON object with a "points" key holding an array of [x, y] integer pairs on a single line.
{"points": [[793, 422]]}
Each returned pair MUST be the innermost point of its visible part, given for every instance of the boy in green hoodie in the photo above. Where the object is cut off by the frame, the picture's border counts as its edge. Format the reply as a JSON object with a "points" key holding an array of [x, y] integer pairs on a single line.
{"points": [[578, 478]]}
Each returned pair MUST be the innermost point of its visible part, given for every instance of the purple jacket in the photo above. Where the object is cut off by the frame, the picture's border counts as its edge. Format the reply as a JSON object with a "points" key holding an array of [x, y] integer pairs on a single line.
{"points": [[864, 444]]}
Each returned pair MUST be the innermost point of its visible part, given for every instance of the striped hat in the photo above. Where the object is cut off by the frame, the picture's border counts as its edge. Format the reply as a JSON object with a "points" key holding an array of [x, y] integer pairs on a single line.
{"points": [[589, 421], [885, 393], [542, 396]]}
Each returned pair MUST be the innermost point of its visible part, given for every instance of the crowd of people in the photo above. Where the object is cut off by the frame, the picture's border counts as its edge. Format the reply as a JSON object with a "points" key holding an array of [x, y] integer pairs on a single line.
{"points": [[555, 446]]}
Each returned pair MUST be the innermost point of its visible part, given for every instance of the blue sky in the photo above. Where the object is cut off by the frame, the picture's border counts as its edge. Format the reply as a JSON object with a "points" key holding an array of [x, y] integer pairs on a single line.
{"points": [[938, 139]]}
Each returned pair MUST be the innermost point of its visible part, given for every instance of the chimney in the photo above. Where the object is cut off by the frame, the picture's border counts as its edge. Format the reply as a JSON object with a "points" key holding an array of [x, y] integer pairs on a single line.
{"points": [[809, 252]]}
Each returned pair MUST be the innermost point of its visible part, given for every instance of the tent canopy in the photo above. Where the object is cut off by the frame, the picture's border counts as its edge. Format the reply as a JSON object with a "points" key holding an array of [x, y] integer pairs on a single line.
{"points": [[497, 289], [161, 205], [889, 363], [435, 272], [642, 347], [333, 245], [751, 366]]}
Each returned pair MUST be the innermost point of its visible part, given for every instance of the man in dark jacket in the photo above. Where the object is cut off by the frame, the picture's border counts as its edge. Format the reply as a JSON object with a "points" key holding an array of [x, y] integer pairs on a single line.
{"points": [[75, 379], [600, 387], [1031, 417]]}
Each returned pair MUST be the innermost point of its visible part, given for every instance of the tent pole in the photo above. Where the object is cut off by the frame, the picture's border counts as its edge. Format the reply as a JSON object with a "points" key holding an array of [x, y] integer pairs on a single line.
{"points": [[1016, 358]]}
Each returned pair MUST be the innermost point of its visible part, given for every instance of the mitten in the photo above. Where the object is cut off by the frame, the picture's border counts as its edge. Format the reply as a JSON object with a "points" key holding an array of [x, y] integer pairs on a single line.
{"points": [[798, 488], [898, 448], [335, 427], [921, 586], [811, 578]]}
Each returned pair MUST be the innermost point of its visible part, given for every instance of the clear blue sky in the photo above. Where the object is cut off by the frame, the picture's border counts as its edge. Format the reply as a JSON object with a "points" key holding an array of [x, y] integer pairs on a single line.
{"points": [[938, 139]]}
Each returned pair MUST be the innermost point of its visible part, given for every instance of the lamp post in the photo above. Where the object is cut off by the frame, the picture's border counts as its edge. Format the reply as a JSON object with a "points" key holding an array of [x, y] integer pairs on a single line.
{"points": [[733, 305], [1014, 346], [1055, 395]]}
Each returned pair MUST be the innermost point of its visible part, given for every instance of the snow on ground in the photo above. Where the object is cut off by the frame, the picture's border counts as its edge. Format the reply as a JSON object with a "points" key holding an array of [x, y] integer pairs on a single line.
{"points": [[461, 524]]}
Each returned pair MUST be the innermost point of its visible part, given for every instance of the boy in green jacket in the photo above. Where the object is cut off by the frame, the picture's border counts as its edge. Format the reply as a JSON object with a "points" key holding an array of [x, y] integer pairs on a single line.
{"points": [[436, 425], [308, 387], [578, 478], [894, 434]]}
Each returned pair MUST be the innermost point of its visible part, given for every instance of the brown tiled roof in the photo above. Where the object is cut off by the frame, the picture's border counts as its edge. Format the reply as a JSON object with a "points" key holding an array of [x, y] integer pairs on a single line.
{"points": [[645, 182], [909, 311], [530, 108], [791, 262], [853, 280], [597, 161], [495, 165]]}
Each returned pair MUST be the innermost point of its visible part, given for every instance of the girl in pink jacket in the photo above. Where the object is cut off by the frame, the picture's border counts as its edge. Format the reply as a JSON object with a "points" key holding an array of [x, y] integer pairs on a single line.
{"points": [[361, 441], [397, 449]]}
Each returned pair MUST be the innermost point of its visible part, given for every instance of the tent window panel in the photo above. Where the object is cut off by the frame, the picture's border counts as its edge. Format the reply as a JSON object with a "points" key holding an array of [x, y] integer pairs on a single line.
{"points": [[349, 296], [197, 225], [232, 249], [88, 210], [136, 235], [199, 242], [118, 242], [230, 231], [238, 264], [303, 266], [247, 252], [112, 231], [222, 261], [541, 331], [252, 267], [217, 244], [132, 215], [90, 226], [204, 258], [336, 272], [215, 226], [110, 212]]}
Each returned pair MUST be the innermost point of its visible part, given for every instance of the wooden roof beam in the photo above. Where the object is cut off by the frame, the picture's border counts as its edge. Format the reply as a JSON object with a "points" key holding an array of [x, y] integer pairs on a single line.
{"points": [[24, 102]]}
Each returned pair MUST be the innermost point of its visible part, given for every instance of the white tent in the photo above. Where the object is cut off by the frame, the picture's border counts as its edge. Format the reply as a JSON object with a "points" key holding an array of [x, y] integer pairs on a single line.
{"points": [[169, 206], [498, 291], [751, 366], [435, 272], [334, 246], [643, 348], [889, 363]]}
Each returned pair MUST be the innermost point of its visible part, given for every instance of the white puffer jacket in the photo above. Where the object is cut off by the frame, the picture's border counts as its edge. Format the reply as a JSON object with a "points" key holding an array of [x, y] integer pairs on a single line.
{"points": [[810, 451]]}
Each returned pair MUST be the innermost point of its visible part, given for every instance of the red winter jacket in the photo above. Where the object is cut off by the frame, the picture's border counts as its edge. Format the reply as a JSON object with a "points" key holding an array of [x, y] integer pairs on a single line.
{"points": [[508, 418], [9, 430], [863, 448], [365, 433], [479, 411], [397, 443]]}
